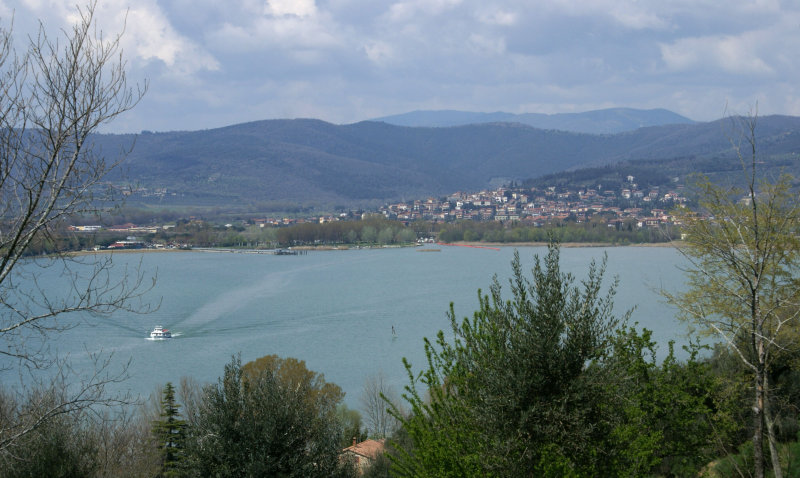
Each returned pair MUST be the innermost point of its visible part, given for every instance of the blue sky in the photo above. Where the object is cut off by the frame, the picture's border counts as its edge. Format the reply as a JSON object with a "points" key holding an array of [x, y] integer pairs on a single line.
{"points": [[212, 63]]}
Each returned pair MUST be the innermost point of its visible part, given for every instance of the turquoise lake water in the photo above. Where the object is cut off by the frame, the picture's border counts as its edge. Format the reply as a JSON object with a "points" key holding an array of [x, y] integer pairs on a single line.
{"points": [[333, 309]]}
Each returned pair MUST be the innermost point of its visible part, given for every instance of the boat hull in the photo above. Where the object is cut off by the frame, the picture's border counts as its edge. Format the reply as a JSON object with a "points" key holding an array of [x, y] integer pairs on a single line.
{"points": [[160, 333]]}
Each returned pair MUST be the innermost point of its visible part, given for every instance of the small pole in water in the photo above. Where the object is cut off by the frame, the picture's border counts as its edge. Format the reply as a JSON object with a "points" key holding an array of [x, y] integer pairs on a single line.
{"points": [[393, 332]]}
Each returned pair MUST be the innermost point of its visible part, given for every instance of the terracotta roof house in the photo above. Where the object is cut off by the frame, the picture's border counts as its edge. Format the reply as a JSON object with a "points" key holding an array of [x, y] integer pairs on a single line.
{"points": [[364, 453]]}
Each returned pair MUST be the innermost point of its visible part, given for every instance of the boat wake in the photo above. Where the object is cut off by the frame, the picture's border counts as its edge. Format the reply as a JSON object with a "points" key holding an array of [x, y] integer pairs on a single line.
{"points": [[230, 301]]}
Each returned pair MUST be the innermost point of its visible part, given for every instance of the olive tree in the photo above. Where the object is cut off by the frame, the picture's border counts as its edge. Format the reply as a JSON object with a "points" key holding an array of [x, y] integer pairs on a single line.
{"points": [[743, 257], [54, 94], [516, 391]]}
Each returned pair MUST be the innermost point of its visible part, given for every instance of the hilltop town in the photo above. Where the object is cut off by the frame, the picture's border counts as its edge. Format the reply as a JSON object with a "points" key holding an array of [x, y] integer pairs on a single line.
{"points": [[647, 208]]}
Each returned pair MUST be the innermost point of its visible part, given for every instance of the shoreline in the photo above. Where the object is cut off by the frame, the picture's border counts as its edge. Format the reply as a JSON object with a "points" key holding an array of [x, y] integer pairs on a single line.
{"points": [[566, 245], [343, 247]]}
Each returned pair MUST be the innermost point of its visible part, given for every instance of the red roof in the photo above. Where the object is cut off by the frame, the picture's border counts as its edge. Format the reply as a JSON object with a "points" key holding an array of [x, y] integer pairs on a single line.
{"points": [[367, 448]]}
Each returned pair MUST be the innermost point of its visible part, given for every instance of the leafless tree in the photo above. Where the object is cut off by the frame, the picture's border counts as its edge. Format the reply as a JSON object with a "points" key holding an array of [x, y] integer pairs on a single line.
{"points": [[190, 394], [125, 446], [376, 399], [55, 93]]}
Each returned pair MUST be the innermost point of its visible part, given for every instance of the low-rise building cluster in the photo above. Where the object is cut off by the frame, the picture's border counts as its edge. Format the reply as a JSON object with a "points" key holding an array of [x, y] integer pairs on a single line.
{"points": [[532, 206], [541, 206]]}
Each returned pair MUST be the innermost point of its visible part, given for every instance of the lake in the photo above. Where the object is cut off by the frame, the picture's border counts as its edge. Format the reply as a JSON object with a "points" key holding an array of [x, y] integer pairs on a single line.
{"points": [[333, 309]]}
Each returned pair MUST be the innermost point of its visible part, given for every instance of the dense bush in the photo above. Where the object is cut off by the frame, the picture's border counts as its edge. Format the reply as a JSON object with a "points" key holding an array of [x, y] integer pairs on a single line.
{"points": [[272, 417], [550, 383]]}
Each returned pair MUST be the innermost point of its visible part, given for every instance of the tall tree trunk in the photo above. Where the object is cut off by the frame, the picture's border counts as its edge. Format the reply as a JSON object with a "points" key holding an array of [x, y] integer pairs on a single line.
{"points": [[758, 426], [757, 334], [769, 423], [760, 377]]}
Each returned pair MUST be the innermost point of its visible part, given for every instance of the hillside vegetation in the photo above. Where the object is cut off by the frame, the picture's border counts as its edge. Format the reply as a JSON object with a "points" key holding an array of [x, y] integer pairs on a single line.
{"points": [[317, 164]]}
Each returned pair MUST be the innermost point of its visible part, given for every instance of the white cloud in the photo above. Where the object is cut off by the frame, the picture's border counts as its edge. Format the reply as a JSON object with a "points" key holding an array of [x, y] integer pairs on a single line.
{"points": [[300, 8], [150, 36], [147, 32], [733, 54], [342, 59], [271, 33]]}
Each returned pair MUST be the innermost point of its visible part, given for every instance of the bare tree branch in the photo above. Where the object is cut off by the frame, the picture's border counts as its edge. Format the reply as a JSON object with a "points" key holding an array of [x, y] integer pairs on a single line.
{"points": [[744, 256], [55, 92]]}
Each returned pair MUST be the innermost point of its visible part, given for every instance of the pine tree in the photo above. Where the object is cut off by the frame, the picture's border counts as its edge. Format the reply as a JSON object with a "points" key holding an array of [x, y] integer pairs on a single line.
{"points": [[169, 433]]}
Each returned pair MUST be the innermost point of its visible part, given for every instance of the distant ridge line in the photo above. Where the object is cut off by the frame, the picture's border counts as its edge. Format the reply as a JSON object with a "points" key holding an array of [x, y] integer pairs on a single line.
{"points": [[603, 121]]}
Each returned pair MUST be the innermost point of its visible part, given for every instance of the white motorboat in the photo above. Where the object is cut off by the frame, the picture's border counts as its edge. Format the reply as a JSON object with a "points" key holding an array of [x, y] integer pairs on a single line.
{"points": [[159, 333]]}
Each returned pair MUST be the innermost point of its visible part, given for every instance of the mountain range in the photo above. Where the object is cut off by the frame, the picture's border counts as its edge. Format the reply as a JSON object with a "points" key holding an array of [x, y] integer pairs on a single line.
{"points": [[606, 121], [318, 164]]}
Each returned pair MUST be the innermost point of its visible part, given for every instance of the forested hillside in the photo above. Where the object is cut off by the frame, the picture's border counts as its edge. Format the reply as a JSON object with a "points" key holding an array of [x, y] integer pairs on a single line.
{"points": [[314, 163]]}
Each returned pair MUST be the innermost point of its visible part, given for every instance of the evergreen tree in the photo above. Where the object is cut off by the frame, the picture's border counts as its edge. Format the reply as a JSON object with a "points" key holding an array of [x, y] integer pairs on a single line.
{"points": [[170, 434]]}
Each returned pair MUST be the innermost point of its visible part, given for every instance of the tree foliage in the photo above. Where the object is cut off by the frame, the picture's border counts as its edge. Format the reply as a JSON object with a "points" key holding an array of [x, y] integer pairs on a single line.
{"points": [[271, 417], [516, 389], [375, 229], [351, 425], [62, 445], [551, 383], [673, 418], [563, 231], [170, 434], [743, 254]]}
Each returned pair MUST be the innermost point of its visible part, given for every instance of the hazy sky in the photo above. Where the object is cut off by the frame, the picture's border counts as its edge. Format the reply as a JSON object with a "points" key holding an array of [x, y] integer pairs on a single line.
{"points": [[212, 63]]}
